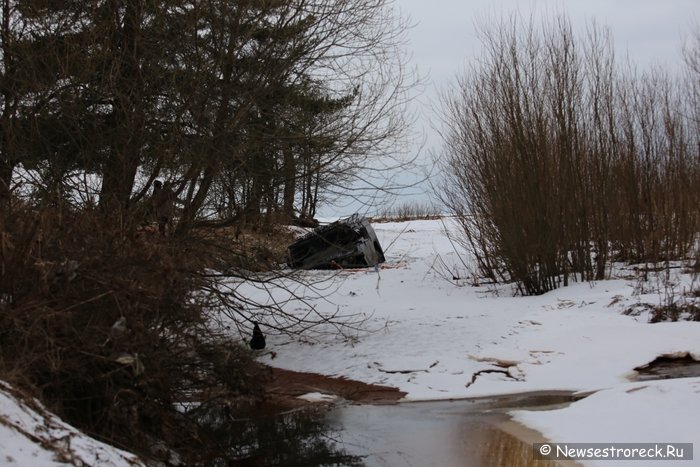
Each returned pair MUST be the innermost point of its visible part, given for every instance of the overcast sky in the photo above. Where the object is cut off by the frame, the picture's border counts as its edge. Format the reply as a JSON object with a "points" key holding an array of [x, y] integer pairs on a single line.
{"points": [[444, 39]]}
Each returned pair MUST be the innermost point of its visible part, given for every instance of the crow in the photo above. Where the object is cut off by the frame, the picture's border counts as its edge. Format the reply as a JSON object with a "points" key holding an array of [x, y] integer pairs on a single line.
{"points": [[258, 340]]}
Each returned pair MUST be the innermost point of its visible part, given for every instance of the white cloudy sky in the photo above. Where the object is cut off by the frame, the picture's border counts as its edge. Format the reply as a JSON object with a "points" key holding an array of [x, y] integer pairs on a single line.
{"points": [[444, 39]]}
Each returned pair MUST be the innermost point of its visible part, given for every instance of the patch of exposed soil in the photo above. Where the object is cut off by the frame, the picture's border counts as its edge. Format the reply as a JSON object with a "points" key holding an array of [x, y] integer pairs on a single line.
{"points": [[678, 365], [285, 386]]}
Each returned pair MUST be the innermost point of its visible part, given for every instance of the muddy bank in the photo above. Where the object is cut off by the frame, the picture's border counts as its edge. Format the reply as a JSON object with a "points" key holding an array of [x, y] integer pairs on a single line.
{"points": [[680, 365], [285, 386]]}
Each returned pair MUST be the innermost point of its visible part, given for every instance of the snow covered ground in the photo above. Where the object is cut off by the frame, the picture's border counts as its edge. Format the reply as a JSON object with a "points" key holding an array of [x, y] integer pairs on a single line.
{"points": [[435, 338], [439, 338]]}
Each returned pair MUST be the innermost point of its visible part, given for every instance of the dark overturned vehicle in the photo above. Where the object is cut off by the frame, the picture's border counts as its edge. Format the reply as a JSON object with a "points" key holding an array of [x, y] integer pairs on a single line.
{"points": [[344, 244]]}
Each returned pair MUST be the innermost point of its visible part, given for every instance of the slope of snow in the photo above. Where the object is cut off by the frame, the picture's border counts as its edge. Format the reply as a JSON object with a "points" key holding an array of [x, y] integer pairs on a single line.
{"points": [[31, 436], [431, 338]]}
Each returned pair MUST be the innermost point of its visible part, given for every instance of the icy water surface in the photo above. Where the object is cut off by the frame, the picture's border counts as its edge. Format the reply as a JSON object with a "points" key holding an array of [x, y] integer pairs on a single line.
{"points": [[460, 433], [474, 432]]}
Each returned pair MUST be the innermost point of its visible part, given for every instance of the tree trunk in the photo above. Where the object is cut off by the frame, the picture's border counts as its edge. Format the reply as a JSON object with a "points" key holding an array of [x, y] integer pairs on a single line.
{"points": [[127, 115], [190, 211], [6, 168], [290, 185], [7, 165]]}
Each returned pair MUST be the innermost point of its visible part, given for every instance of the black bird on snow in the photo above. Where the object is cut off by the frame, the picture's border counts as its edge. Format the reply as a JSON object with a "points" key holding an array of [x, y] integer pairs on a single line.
{"points": [[258, 340]]}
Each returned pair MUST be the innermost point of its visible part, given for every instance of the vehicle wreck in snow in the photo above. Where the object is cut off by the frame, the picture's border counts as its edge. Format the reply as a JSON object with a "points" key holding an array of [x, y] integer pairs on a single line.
{"points": [[347, 243]]}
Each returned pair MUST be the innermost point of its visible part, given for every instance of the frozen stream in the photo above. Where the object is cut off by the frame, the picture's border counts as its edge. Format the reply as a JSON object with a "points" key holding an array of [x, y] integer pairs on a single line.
{"points": [[472, 432], [475, 432]]}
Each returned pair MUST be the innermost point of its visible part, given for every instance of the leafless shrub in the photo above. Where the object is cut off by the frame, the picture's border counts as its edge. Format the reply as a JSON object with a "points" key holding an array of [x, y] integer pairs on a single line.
{"points": [[556, 160], [105, 326]]}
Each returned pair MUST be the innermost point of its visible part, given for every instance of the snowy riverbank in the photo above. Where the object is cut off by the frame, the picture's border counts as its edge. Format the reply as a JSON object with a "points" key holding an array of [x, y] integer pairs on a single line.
{"points": [[439, 338], [436, 337]]}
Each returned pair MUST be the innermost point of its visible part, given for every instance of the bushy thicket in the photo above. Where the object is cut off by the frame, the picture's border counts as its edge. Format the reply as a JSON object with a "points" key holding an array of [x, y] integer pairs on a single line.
{"points": [[558, 160], [104, 325]]}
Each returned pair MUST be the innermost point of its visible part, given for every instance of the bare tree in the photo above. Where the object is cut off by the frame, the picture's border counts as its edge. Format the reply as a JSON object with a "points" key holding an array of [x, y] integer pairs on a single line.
{"points": [[330, 97]]}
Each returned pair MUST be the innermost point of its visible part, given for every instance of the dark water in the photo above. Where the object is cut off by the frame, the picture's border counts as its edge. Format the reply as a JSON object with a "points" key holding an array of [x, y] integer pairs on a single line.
{"points": [[668, 367], [474, 432], [298, 438], [442, 433]]}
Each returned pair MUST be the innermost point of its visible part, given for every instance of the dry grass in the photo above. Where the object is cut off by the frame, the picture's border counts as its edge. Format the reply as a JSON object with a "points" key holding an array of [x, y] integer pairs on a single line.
{"points": [[247, 248], [408, 211]]}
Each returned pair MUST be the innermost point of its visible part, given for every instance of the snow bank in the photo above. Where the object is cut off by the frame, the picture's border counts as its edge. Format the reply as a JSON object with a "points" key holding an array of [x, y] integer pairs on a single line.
{"points": [[31, 436], [650, 412]]}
